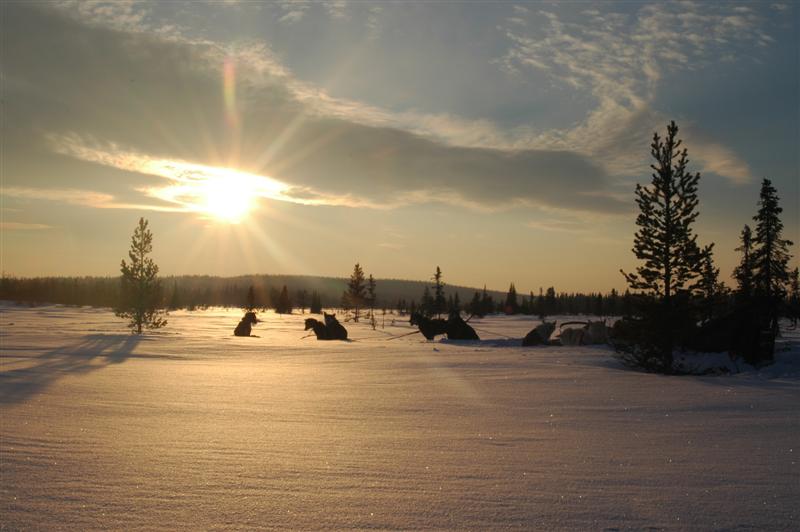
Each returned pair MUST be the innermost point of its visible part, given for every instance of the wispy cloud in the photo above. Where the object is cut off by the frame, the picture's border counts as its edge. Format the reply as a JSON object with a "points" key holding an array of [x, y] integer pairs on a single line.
{"points": [[560, 226], [21, 226], [337, 9], [621, 59], [293, 11], [81, 197]]}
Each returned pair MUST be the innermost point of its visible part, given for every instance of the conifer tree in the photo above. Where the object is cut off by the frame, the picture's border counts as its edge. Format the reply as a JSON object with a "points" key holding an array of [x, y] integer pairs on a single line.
{"points": [[250, 299], [140, 290], [301, 296], [612, 303], [665, 241], [668, 208], [487, 303], [284, 305], [427, 304], [371, 299], [794, 296], [316, 303], [711, 290], [356, 291], [743, 273], [598, 307], [540, 306], [439, 301], [771, 255], [474, 306], [550, 301], [175, 300], [512, 306]]}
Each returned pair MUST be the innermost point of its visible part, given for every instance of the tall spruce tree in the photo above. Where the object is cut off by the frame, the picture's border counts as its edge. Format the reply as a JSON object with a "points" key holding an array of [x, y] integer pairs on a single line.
{"points": [[743, 273], [665, 241], [140, 289], [771, 255], [356, 291]]}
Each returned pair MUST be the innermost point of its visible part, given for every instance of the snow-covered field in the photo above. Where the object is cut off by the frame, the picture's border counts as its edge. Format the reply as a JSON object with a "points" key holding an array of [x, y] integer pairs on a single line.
{"points": [[192, 428]]}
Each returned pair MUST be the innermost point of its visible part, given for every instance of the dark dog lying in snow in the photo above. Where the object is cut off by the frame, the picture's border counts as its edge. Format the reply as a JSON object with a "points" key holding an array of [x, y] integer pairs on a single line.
{"points": [[458, 329], [540, 335], [430, 328], [455, 328], [246, 324], [336, 329], [330, 330]]}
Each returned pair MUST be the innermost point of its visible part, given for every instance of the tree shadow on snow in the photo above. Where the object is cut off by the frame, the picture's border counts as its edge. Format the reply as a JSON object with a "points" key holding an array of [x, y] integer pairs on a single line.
{"points": [[91, 353]]}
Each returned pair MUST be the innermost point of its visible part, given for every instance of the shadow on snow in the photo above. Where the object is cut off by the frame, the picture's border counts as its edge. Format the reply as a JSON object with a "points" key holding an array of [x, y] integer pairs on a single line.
{"points": [[92, 352]]}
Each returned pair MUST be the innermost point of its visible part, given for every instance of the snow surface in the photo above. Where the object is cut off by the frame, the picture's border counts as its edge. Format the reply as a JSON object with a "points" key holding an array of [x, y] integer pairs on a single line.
{"points": [[193, 428]]}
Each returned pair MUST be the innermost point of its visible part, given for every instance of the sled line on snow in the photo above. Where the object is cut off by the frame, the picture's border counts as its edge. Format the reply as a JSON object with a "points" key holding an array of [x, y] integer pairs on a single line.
{"points": [[386, 339], [370, 339], [494, 333]]}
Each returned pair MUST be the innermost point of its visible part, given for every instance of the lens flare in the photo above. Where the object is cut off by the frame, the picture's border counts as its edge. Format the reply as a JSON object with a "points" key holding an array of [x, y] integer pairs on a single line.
{"points": [[229, 92]]}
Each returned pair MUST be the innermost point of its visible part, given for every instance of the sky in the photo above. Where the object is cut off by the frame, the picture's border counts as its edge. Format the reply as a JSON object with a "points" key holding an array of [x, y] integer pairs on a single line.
{"points": [[499, 141]]}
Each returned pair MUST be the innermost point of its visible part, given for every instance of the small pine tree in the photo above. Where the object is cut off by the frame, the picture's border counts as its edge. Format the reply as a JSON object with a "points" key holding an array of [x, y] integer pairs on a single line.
{"points": [[771, 257], [474, 306], [371, 295], [284, 305], [356, 291], [550, 301], [743, 273], [140, 290], [439, 301], [487, 303], [511, 306]]}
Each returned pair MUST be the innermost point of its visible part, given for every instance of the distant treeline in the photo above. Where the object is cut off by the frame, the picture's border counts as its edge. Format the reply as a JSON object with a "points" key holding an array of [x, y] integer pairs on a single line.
{"points": [[197, 292]]}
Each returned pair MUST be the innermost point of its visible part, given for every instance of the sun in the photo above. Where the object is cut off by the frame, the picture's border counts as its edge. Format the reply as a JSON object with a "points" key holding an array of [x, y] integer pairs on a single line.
{"points": [[215, 193], [227, 198]]}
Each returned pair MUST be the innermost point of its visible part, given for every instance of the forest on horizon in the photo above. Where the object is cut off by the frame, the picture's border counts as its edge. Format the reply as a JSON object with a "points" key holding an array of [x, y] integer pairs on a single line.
{"points": [[200, 291]]}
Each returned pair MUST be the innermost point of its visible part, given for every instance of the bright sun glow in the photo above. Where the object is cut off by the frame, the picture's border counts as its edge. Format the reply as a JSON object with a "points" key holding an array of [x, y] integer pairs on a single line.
{"points": [[222, 194], [228, 200]]}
